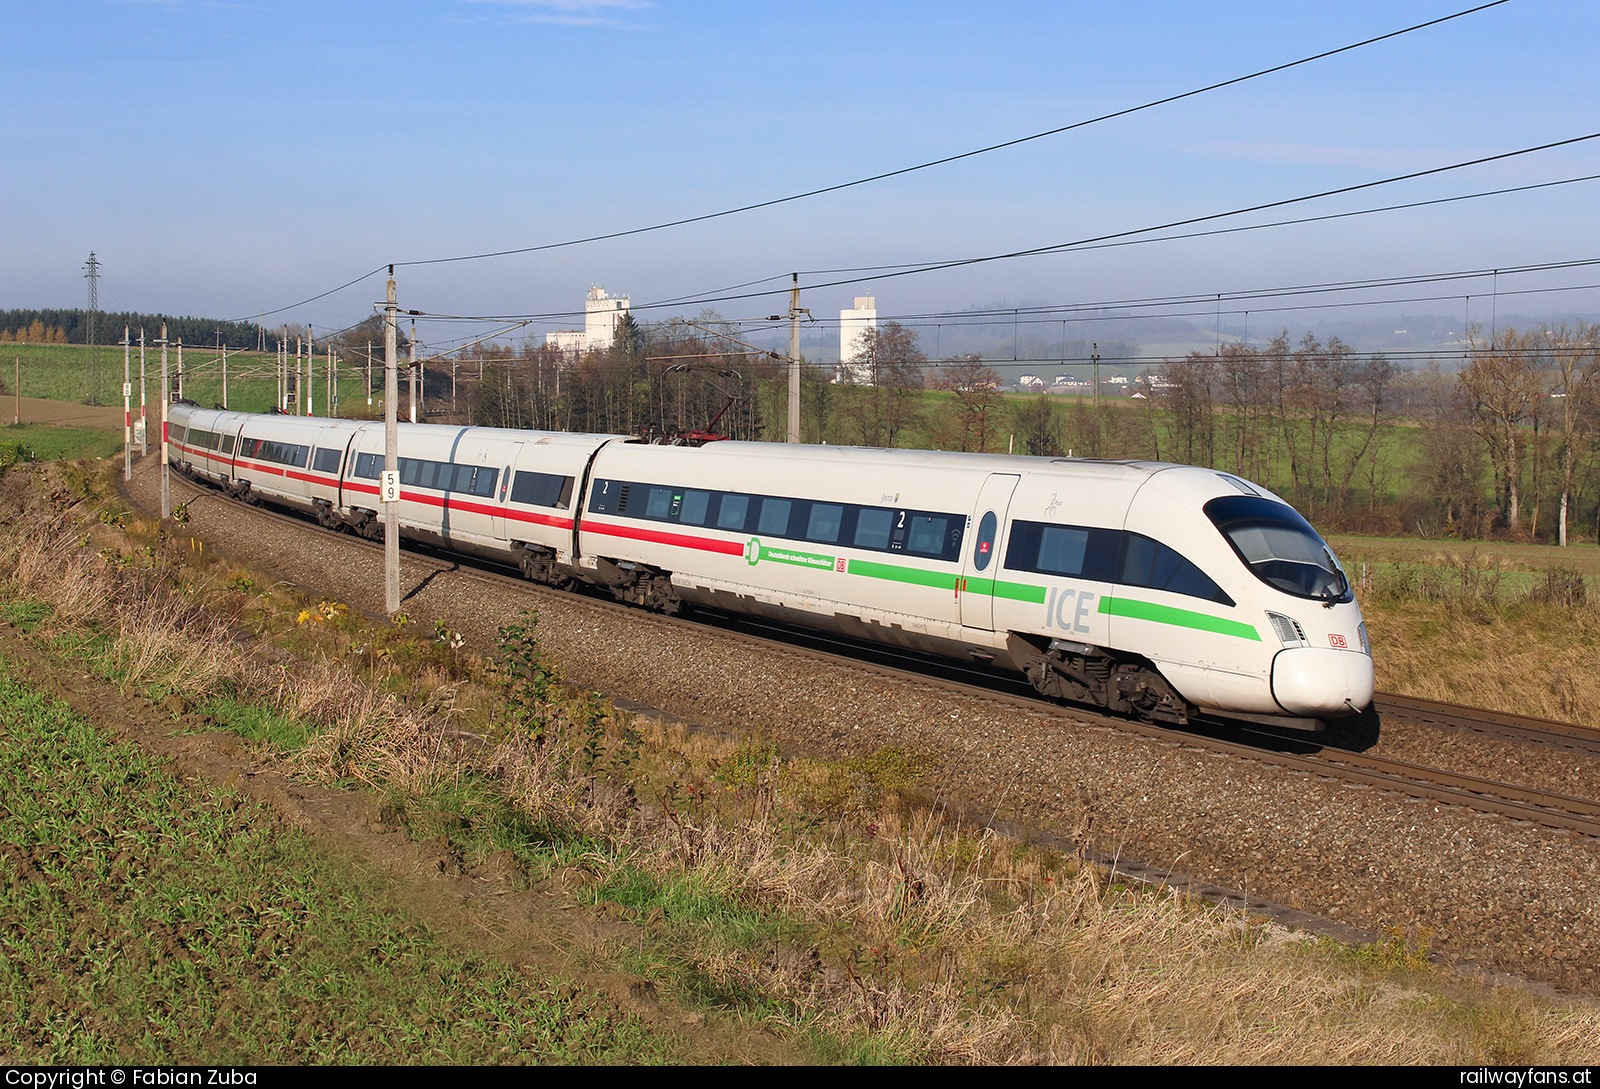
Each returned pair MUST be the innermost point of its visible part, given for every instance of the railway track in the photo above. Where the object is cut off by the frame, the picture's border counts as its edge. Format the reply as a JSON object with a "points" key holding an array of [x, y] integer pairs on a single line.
{"points": [[1297, 753], [1539, 731]]}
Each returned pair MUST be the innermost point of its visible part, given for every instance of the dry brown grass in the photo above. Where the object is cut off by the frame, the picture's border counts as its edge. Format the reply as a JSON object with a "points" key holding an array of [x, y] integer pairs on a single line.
{"points": [[1078, 972], [1529, 658]]}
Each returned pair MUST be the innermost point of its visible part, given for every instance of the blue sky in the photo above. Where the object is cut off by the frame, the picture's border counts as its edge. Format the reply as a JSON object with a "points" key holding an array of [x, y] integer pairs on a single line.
{"points": [[227, 158]]}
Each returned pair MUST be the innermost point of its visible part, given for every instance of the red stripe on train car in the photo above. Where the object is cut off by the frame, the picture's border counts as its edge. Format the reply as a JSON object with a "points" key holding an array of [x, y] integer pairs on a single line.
{"points": [[655, 536], [472, 508]]}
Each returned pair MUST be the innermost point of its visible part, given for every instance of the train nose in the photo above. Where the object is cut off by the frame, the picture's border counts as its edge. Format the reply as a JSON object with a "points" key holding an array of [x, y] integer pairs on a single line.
{"points": [[1321, 682]]}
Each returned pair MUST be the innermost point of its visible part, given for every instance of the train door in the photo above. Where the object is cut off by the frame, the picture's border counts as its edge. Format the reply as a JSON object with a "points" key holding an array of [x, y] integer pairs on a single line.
{"points": [[980, 553], [510, 458]]}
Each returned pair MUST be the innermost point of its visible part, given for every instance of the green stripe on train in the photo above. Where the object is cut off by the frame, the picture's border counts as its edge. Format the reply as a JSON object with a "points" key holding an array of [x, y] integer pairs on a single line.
{"points": [[1014, 591], [941, 580], [1181, 618]]}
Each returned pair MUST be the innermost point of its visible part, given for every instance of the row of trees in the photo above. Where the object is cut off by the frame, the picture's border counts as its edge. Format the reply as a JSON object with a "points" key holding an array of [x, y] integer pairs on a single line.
{"points": [[36, 332], [52, 326], [1533, 401], [1509, 442]]}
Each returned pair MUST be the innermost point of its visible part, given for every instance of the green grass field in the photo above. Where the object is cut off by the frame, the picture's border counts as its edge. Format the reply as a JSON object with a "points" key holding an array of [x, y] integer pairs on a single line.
{"points": [[75, 373], [36, 442], [144, 916]]}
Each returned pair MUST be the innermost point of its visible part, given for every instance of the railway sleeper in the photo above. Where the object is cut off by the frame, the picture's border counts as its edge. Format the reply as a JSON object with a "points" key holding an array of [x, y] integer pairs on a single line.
{"points": [[640, 584]]}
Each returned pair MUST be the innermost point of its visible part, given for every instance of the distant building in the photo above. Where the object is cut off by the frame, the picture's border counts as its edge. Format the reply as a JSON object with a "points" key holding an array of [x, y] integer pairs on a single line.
{"points": [[602, 313], [853, 326], [568, 340], [1031, 381]]}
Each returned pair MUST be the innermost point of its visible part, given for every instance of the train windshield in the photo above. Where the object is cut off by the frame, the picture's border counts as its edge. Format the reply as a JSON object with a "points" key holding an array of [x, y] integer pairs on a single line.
{"points": [[1280, 547]]}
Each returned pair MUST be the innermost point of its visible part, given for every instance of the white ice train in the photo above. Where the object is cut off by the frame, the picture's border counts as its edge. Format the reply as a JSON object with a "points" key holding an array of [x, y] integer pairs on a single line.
{"points": [[1154, 589]]}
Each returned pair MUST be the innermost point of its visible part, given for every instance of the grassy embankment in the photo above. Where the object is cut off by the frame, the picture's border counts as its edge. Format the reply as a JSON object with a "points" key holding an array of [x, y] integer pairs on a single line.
{"points": [[1514, 627], [824, 902]]}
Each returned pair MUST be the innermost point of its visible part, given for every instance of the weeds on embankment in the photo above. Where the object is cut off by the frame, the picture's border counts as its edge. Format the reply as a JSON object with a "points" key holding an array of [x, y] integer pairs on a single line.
{"points": [[829, 902]]}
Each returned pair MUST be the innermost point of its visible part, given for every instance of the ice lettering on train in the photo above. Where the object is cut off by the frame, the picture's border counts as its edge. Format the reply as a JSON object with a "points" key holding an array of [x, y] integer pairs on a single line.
{"points": [[1066, 608]]}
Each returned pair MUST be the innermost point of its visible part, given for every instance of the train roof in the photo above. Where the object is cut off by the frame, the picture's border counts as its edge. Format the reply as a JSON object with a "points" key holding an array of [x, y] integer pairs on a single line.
{"points": [[934, 459]]}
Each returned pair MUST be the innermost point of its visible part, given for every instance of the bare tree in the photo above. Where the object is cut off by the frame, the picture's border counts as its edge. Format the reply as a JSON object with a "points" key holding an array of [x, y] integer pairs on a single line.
{"points": [[1373, 381], [1187, 397], [1499, 384], [974, 418], [1575, 363], [1041, 432], [882, 408], [1242, 383]]}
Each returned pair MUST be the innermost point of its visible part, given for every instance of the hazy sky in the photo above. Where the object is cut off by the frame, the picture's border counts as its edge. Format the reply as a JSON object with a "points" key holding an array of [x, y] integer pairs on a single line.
{"points": [[224, 158]]}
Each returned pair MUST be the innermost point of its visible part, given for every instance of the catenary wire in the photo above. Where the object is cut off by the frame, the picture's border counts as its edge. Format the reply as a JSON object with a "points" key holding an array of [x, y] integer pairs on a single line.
{"points": [[916, 167], [965, 154]]}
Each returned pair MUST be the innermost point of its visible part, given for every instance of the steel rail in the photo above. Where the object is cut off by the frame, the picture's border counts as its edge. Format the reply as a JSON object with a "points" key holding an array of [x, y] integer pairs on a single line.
{"points": [[1541, 731]]}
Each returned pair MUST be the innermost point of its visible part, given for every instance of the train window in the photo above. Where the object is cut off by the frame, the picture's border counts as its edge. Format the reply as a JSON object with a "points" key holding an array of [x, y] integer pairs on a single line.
{"points": [[282, 453], [175, 432], [824, 523], [1062, 549], [872, 528], [325, 460], [484, 480], [368, 466], [983, 550], [693, 510], [927, 535], [774, 517], [541, 490], [411, 471], [659, 504], [1154, 565], [1072, 551], [1280, 547], [227, 444], [733, 512]]}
